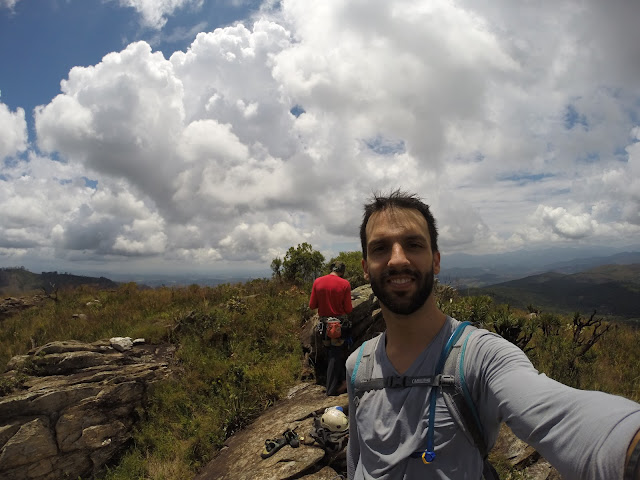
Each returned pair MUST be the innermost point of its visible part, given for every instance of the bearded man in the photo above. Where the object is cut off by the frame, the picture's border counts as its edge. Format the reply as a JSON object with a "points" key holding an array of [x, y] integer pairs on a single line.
{"points": [[583, 434]]}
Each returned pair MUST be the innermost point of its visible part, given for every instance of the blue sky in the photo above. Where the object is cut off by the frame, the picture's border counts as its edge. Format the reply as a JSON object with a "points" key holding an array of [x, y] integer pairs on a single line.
{"points": [[195, 135], [41, 40]]}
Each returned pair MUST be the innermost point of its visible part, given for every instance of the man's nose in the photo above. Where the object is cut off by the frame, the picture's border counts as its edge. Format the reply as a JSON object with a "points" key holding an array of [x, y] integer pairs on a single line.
{"points": [[397, 256]]}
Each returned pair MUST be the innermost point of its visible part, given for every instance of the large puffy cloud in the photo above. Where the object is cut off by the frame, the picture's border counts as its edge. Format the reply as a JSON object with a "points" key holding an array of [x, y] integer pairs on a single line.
{"points": [[512, 122], [400, 70], [603, 205], [259, 240], [564, 223], [13, 128]]}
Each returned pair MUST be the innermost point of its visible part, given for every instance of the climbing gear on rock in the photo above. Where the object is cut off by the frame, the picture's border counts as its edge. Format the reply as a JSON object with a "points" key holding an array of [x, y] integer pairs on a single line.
{"points": [[271, 446], [331, 430], [334, 420], [292, 438]]}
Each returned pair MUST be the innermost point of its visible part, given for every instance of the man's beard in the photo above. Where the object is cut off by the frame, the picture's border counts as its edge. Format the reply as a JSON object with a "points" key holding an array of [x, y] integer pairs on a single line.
{"points": [[405, 305]]}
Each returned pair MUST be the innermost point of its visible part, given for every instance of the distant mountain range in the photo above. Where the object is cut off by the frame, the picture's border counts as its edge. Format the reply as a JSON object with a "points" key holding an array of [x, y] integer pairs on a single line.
{"points": [[554, 279], [467, 271], [611, 290], [184, 280], [14, 281]]}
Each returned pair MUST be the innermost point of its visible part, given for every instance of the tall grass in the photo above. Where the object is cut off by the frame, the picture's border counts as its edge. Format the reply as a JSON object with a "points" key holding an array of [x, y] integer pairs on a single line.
{"points": [[237, 352]]}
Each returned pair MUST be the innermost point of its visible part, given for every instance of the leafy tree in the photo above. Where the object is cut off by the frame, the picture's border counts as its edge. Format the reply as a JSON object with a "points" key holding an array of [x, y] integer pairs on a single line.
{"points": [[353, 262], [302, 264], [276, 266]]}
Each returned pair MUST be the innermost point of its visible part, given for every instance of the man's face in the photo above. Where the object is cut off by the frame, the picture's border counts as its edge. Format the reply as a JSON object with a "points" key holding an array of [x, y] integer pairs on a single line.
{"points": [[400, 264]]}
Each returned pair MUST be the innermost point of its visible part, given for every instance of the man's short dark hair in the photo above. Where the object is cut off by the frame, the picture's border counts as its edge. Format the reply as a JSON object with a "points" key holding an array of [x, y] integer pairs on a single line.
{"points": [[338, 267], [398, 199]]}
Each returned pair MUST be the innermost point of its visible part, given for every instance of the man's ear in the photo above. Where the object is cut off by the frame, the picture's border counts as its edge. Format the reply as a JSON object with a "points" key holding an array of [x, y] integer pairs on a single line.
{"points": [[436, 263], [365, 269]]}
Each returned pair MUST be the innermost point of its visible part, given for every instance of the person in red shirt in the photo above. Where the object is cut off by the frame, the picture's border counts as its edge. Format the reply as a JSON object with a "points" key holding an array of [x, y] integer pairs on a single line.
{"points": [[331, 295]]}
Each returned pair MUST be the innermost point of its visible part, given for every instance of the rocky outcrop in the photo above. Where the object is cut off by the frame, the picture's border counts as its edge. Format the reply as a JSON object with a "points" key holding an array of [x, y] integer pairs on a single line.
{"points": [[12, 305], [240, 458], [76, 409]]}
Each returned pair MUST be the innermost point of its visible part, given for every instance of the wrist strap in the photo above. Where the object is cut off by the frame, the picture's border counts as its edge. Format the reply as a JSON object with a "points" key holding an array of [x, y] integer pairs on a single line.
{"points": [[631, 471]]}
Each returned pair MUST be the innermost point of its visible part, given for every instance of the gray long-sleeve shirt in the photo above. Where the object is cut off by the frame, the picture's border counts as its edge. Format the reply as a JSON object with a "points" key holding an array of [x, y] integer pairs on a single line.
{"points": [[583, 434]]}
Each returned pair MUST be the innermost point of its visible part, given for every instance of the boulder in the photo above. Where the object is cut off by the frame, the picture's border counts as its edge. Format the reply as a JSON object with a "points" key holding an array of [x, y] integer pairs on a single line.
{"points": [[12, 305], [77, 408], [240, 458], [121, 344]]}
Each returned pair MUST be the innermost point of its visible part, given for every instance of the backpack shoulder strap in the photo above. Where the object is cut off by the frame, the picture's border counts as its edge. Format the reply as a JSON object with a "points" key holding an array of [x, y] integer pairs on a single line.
{"points": [[364, 366], [460, 403], [458, 399]]}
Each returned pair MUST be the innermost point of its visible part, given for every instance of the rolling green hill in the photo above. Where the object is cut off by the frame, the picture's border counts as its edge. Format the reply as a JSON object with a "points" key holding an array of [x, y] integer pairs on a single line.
{"points": [[16, 281], [612, 290]]}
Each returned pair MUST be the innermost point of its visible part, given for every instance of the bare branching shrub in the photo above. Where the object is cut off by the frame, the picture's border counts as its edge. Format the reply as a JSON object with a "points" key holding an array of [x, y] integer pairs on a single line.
{"points": [[586, 332]]}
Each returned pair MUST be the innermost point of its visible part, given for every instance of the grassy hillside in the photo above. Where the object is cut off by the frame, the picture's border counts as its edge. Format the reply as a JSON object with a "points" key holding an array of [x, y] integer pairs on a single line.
{"points": [[237, 352], [14, 281], [612, 290]]}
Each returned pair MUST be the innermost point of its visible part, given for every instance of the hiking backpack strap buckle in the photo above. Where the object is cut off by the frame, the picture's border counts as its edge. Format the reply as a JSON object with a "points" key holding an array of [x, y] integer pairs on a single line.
{"points": [[447, 380], [395, 382]]}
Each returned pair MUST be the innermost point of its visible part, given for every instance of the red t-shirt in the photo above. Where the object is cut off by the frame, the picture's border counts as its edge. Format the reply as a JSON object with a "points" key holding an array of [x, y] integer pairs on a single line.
{"points": [[331, 295]]}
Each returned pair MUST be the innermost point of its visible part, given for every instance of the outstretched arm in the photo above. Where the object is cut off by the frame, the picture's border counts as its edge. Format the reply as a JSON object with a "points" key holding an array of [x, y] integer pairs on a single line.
{"points": [[585, 435]]}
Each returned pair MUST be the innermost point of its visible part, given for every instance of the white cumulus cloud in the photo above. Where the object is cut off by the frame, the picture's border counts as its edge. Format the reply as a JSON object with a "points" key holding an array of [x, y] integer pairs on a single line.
{"points": [[13, 131], [513, 121], [563, 223]]}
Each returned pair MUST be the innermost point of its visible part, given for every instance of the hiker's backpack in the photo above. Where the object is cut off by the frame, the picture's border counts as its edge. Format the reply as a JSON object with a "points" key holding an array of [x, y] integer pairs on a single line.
{"points": [[334, 328], [456, 395]]}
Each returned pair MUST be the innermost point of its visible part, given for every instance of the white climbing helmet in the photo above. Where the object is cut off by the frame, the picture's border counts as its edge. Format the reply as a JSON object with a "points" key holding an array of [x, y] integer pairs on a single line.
{"points": [[334, 420]]}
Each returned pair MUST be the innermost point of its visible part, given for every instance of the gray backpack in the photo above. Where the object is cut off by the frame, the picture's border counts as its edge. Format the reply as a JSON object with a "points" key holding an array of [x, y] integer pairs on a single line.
{"points": [[456, 395]]}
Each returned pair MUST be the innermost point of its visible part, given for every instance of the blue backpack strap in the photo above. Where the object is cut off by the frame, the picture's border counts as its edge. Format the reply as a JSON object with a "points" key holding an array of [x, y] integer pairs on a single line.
{"points": [[429, 455], [488, 471], [357, 365], [361, 383], [462, 407]]}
